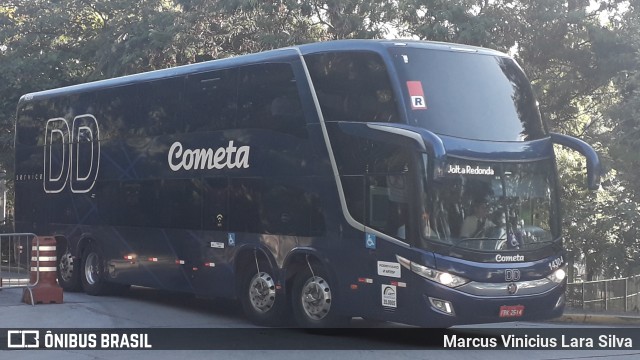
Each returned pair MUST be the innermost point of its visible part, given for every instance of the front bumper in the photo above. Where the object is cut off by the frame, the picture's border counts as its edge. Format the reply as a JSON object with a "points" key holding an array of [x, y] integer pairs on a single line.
{"points": [[466, 308]]}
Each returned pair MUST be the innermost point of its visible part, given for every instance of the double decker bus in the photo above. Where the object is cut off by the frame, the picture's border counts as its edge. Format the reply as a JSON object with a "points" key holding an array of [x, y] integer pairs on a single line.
{"points": [[410, 181]]}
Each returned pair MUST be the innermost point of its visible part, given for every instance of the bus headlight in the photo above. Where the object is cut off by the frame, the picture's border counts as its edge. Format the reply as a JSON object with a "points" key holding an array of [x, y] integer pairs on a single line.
{"points": [[557, 276], [440, 277]]}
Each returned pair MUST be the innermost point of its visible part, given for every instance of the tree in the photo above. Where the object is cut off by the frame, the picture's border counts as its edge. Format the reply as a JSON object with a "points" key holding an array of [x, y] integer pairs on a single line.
{"points": [[623, 118]]}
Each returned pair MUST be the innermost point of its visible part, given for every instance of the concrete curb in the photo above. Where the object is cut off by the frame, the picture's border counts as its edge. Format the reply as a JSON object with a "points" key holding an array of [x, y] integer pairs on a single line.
{"points": [[599, 319]]}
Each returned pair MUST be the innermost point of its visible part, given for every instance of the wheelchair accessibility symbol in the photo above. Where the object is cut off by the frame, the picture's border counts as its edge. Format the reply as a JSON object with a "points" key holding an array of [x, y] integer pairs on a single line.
{"points": [[232, 239], [370, 241]]}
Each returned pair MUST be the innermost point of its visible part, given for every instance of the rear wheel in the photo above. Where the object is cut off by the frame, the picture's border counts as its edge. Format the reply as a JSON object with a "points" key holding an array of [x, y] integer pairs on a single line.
{"points": [[261, 301], [68, 272], [313, 300], [92, 268]]}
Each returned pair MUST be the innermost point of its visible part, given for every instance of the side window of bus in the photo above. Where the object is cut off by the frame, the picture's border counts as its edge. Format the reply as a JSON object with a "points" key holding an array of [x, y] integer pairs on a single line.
{"points": [[211, 101], [374, 178], [31, 116], [388, 189], [244, 215], [387, 208], [161, 105], [354, 193], [274, 207], [119, 111], [178, 203], [353, 86], [268, 99]]}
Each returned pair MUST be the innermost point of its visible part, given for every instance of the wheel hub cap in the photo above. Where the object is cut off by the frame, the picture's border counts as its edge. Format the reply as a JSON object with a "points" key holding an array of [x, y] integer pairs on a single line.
{"points": [[262, 292], [91, 268], [66, 266], [316, 298]]}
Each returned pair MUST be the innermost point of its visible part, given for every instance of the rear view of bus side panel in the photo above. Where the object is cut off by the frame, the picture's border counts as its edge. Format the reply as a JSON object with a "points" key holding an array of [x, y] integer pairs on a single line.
{"points": [[144, 206], [31, 208]]}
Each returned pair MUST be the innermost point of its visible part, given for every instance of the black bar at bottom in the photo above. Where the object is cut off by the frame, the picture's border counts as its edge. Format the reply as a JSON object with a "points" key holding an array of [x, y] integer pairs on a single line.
{"points": [[326, 339]]}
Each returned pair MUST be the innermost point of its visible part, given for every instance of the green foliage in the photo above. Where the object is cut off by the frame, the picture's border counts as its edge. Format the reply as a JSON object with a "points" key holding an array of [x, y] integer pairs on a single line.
{"points": [[584, 63]]}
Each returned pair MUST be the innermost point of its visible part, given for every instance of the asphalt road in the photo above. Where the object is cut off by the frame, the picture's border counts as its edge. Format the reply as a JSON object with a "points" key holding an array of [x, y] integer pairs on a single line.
{"points": [[223, 323]]}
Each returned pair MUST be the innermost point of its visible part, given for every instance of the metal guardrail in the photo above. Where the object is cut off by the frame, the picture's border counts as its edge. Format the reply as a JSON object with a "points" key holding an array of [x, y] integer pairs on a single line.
{"points": [[17, 262], [606, 295]]}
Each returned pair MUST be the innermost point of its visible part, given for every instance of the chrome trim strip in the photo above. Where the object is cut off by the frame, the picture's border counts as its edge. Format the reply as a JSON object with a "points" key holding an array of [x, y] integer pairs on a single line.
{"points": [[528, 287], [407, 133]]}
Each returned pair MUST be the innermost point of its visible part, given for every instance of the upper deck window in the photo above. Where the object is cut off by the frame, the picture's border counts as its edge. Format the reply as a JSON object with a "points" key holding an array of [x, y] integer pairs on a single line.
{"points": [[353, 86], [260, 96], [468, 95]]}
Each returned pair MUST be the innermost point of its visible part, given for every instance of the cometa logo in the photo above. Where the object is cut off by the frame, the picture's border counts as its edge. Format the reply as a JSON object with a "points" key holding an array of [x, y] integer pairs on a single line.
{"points": [[230, 157], [509, 258]]}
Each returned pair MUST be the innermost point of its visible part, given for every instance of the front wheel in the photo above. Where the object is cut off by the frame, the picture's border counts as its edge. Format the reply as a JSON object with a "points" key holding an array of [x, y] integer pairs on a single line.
{"points": [[261, 301], [313, 300]]}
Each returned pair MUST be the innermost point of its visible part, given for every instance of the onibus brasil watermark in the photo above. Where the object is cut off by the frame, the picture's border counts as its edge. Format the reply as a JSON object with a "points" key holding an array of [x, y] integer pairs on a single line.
{"points": [[48, 339]]}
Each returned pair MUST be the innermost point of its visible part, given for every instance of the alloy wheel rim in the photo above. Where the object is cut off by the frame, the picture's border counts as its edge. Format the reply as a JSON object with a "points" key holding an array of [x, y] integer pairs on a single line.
{"points": [[262, 292], [91, 269], [316, 298], [66, 267]]}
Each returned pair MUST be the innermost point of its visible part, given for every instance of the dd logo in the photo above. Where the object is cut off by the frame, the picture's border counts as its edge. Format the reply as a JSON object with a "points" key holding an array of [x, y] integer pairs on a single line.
{"points": [[71, 154], [511, 275]]}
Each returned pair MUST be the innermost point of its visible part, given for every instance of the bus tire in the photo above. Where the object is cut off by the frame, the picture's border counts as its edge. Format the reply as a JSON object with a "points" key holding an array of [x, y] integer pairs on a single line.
{"points": [[92, 271], [313, 302], [68, 272], [261, 302]]}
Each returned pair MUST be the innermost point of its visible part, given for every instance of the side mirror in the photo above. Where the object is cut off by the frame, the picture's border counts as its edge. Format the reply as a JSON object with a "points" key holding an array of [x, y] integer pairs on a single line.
{"points": [[594, 169]]}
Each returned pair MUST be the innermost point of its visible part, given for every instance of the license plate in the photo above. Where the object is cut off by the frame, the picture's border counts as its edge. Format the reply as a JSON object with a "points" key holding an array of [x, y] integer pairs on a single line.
{"points": [[511, 311]]}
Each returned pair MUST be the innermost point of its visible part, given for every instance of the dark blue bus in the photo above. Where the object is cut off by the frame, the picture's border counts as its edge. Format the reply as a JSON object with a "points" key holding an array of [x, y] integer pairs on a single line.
{"points": [[410, 181]]}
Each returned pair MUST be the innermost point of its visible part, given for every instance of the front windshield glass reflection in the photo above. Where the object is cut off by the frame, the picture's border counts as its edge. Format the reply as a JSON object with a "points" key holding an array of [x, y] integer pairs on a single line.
{"points": [[487, 206], [468, 95]]}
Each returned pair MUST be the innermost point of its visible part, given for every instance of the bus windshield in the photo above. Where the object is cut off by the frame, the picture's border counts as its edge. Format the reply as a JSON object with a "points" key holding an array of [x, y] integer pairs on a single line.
{"points": [[467, 95], [492, 206]]}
